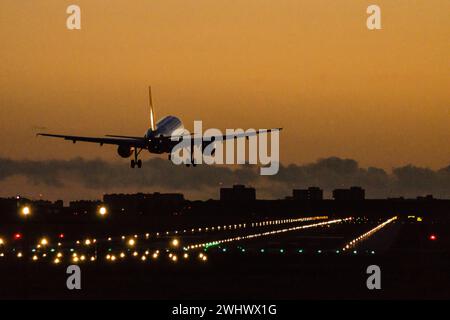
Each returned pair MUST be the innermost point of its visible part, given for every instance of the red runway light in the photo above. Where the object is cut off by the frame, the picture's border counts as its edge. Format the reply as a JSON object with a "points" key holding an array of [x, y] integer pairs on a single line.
{"points": [[61, 235], [433, 237], [17, 236]]}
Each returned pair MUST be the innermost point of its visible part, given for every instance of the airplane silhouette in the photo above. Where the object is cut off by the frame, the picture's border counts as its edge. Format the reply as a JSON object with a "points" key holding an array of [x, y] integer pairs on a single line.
{"points": [[160, 138]]}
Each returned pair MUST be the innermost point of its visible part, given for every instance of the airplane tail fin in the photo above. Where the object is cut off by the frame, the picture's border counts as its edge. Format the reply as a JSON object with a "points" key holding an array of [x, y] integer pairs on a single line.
{"points": [[152, 111]]}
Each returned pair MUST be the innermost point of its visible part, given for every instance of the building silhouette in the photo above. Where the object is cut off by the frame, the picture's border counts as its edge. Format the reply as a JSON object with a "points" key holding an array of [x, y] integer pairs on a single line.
{"points": [[238, 193], [354, 193], [312, 193]]}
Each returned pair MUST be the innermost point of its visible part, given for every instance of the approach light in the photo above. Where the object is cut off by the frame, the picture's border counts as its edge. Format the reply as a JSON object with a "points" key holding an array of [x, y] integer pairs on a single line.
{"points": [[102, 211]]}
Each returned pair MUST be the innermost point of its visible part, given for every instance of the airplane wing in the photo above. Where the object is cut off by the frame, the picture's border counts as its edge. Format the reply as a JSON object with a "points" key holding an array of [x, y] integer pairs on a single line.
{"points": [[231, 136], [139, 143]]}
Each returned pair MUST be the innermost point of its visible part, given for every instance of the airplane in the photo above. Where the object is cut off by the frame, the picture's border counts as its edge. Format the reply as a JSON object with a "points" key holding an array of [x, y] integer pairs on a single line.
{"points": [[160, 138]]}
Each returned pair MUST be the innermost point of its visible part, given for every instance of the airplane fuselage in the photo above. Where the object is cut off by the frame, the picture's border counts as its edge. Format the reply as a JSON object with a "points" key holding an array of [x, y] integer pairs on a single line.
{"points": [[166, 127]]}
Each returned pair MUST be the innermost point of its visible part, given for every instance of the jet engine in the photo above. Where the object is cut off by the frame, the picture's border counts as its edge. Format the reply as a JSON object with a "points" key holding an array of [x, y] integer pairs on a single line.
{"points": [[125, 151]]}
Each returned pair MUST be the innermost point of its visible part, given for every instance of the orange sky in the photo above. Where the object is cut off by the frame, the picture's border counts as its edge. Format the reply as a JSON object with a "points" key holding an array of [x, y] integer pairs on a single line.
{"points": [[312, 67]]}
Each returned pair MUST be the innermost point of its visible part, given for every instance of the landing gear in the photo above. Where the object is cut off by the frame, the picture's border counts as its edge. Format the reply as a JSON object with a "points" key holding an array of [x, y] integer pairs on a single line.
{"points": [[193, 164], [136, 162]]}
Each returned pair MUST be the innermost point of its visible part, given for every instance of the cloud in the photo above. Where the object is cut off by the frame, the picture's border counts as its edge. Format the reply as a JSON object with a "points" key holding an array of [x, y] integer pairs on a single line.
{"points": [[328, 173]]}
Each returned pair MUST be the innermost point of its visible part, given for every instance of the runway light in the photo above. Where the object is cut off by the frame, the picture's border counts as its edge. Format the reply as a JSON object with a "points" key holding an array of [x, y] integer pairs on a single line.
{"points": [[175, 242], [61, 235], [43, 242], [87, 242], [56, 261], [131, 242], [26, 211], [185, 256], [432, 237], [1, 241], [19, 255], [17, 236]]}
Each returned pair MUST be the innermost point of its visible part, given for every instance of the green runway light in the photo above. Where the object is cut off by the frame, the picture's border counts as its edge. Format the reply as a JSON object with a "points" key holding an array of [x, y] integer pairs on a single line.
{"points": [[300, 251], [281, 250], [262, 250]]}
